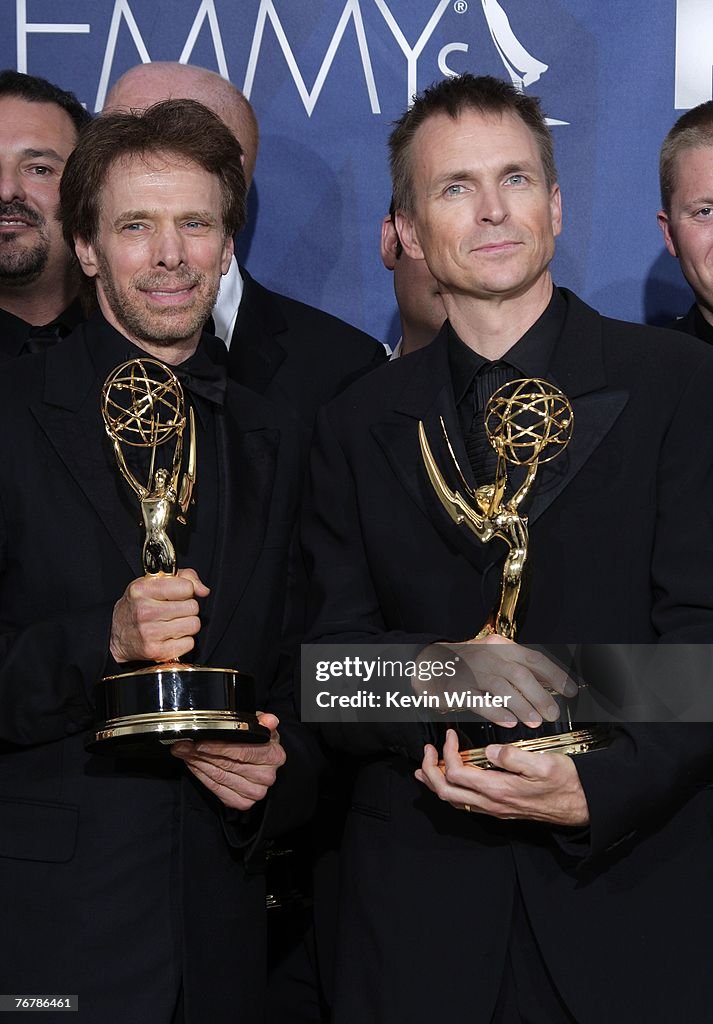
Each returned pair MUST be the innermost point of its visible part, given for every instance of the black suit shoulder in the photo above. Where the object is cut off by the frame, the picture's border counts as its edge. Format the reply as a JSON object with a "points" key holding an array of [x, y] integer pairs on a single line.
{"points": [[296, 354]]}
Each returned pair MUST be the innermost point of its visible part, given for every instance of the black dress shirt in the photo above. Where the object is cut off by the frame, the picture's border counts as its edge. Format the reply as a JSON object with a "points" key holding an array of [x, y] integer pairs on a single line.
{"points": [[475, 378], [15, 333], [693, 323]]}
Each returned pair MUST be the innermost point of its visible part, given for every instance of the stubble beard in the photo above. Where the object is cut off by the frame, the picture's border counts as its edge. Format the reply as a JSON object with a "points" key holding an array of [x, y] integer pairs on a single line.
{"points": [[166, 326], [20, 265]]}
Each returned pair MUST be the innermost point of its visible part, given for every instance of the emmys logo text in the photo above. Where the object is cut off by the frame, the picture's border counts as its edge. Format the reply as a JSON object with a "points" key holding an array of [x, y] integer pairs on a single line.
{"points": [[370, 26]]}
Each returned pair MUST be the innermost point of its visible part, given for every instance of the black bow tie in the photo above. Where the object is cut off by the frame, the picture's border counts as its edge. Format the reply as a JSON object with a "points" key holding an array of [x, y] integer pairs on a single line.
{"points": [[206, 380]]}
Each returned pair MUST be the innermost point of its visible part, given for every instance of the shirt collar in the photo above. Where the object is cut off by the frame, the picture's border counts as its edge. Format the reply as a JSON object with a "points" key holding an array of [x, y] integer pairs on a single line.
{"points": [[16, 331], [530, 356], [225, 310]]}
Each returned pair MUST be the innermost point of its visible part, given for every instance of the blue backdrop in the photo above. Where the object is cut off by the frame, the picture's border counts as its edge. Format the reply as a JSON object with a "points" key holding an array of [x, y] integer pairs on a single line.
{"points": [[326, 78]]}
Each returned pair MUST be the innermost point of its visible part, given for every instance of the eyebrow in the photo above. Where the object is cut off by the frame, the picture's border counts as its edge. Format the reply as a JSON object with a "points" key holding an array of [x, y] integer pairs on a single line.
{"points": [[131, 215], [468, 175], [43, 154]]}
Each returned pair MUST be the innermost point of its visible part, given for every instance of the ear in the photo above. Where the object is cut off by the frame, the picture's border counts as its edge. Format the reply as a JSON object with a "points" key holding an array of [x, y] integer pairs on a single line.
{"points": [[556, 209], [389, 243], [665, 225], [408, 234], [87, 256], [226, 258]]}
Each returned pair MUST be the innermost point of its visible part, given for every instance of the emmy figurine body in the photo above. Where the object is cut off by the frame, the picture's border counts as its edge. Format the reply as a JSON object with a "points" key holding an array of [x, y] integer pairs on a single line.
{"points": [[527, 422], [143, 407], [158, 510]]}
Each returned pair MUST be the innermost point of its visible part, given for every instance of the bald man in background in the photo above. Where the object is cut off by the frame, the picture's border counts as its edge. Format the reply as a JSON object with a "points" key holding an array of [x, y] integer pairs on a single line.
{"points": [[286, 350], [421, 310]]}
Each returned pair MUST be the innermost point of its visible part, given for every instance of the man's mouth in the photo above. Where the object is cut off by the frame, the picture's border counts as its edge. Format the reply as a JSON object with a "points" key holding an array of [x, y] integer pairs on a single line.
{"points": [[170, 296], [14, 216], [15, 222], [504, 245]]}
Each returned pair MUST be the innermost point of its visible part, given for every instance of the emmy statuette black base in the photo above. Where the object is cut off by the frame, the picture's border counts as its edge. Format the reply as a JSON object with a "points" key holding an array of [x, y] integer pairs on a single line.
{"points": [[142, 712]]}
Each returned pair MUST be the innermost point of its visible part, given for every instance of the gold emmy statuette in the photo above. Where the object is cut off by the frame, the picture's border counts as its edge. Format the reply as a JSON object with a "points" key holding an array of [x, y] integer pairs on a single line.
{"points": [[528, 422], [142, 406]]}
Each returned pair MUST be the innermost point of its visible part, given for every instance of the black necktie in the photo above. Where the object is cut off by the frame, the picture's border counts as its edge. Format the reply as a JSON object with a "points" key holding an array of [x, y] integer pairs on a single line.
{"points": [[481, 454], [44, 337]]}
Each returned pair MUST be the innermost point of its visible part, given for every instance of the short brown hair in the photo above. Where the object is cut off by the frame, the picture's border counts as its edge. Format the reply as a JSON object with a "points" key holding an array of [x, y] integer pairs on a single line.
{"points": [[692, 130], [181, 127], [452, 96]]}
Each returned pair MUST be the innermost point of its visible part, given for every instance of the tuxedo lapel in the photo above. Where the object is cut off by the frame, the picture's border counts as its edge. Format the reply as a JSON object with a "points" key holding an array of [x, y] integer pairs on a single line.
{"points": [[247, 454], [578, 369], [70, 417], [255, 353], [428, 396]]}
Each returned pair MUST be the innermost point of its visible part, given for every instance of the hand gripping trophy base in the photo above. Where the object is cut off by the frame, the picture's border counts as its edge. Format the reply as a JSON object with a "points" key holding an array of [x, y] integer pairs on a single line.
{"points": [[523, 419], [141, 711]]}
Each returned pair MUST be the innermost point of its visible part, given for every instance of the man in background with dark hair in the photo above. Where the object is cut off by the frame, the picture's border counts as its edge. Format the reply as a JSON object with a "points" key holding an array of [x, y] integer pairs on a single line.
{"points": [[39, 277], [686, 214], [128, 880]]}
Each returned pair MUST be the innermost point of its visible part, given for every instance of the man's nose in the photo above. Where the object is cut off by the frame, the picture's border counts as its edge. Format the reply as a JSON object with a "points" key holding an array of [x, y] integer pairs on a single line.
{"points": [[169, 251], [11, 183]]}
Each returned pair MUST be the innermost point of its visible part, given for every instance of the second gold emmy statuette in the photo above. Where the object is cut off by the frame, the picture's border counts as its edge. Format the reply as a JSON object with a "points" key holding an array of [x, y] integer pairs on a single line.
{"points": [[528, 422]]}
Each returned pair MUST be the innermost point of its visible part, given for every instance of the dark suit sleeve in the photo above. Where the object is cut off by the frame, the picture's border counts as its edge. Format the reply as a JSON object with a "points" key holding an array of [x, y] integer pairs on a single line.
{"points": [[47, 669], [343, 606], [650, 769]]}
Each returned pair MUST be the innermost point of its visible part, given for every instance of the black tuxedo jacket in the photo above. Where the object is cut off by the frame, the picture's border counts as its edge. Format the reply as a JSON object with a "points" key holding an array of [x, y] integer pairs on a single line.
{"points": [[294, 354], [119, 877], [622, 552]]}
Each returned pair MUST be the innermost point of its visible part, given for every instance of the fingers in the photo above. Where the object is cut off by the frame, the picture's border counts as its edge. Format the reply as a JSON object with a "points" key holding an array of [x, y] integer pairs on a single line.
{"points": [[269, 720], [199, 588], [157, 618], [240, 794], [238, 774], [524, 678]]}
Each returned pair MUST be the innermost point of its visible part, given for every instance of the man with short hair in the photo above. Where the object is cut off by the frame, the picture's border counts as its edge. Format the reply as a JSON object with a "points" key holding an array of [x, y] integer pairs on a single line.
{"points": [[547, 891], [421, 311], [686, 214], [284, 349], [124, 878], [39, 279]]}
